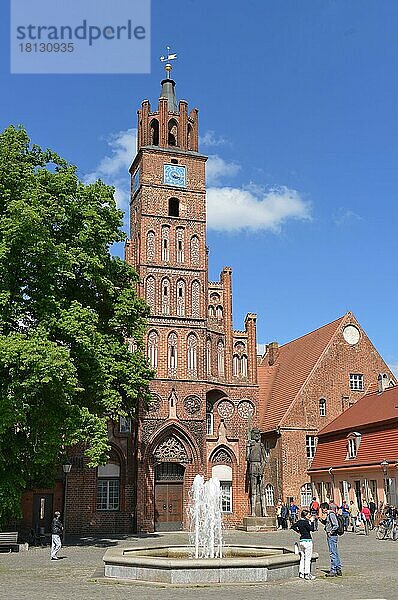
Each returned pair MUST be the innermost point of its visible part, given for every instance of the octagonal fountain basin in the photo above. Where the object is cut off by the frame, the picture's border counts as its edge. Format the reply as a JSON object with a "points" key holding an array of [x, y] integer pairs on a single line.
{"points": [[175, 565]]}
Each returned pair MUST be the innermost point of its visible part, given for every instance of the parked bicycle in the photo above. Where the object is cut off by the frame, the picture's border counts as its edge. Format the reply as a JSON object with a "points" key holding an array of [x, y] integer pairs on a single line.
{"points": [[387, 529]]}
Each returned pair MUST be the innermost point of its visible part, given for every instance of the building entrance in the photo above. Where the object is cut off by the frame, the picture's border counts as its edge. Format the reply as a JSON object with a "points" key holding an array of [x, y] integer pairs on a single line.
{"points": [[42, 512], [169, 480]]}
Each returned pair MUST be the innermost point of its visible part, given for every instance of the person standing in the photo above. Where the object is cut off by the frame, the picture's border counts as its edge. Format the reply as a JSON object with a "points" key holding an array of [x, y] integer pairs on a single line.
{"points": [[354, 512], [345, 511], [293, 513], [56, 532], [304, 527], [372, 508], [329, 520], [314, 511], [365, 515], [284, 515], [278, 513]]}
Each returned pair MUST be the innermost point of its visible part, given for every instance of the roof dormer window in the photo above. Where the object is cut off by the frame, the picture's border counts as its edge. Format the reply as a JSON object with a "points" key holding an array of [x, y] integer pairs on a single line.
{"points": [[353, 441]]}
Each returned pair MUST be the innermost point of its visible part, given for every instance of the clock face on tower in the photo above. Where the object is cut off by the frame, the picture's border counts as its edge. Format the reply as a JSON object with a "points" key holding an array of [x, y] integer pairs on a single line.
{"points": [[136, 180], [351, 334], [174, 175]]}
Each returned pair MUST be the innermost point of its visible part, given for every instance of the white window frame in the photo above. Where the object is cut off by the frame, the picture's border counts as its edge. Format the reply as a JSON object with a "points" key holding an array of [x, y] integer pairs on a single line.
{"points": [[124, 424], [226, 496], [108, 487], [310, 446], [356, 382], [322, 407], [306, 494], [269, 495], [209, 423]]}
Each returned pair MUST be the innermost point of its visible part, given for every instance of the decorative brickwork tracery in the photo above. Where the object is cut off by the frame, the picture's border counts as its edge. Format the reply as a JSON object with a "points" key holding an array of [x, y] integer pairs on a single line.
{"points": [[192, 404], [170, 450], [222, 457]]}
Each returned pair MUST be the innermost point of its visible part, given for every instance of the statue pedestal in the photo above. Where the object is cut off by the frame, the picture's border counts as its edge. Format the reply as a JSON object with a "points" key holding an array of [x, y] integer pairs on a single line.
{"points": [[258, 524]]}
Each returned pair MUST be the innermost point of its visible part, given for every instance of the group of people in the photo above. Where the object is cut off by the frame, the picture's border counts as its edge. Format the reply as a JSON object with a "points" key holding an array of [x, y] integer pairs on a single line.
{"points": [[336, 520], [286, 513], [327, 515]]}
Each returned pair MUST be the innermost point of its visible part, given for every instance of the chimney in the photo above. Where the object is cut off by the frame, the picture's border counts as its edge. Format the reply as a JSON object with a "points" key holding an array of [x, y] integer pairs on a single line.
{"points": [[273, 351], [383, 382]]}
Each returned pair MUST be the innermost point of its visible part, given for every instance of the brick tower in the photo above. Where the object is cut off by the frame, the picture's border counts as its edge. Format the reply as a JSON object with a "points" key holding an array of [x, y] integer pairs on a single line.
{"points": [[206, 380]]}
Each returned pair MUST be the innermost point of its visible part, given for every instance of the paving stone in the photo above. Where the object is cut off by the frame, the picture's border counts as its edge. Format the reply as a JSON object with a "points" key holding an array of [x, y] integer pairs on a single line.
{"points": [[369, 567]]}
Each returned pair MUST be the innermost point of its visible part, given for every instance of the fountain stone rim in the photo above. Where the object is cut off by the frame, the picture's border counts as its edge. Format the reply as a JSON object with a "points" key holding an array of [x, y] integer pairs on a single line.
{"points": [[125, 563]]}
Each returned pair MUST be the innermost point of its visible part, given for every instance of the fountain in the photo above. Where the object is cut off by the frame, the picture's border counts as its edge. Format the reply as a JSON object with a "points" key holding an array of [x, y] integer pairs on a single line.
{"points": [[205, 517], [207, 560]]}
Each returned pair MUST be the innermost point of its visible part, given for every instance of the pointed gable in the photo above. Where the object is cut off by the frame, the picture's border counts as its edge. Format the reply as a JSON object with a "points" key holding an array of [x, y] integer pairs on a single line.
{"points": [[281, 382]]}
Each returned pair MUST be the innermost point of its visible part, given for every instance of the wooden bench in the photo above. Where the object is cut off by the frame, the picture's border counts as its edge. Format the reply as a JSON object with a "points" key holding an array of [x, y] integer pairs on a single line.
{"points": [[9, 541]]}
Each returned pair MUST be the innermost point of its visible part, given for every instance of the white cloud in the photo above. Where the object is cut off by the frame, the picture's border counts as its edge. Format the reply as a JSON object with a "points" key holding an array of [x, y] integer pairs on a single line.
{"points": [[234, 209], [345, 216], [228, 208], [211, 139], [113, 167], [217, 168]]}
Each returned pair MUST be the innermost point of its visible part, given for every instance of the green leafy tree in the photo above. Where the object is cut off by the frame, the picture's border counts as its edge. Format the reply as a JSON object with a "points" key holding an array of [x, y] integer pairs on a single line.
{"points": [[66, 309]]}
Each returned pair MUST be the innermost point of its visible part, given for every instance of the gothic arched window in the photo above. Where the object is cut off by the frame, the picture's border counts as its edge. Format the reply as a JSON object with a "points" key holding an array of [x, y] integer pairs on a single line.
{"points": [[195, 299], [108, 484], [189, 137], [236, 365], [152, 348], [211, 312], [322, 407], [180, 244], [154, 126], [208, 356], [180, 300], [243, 365], [192, 355], [150, 292], [173, 133], [194, 250], [220, 358], [165, 296], [150, 245], [219, 313], [172, 354], [269, 495], [166, 243]]}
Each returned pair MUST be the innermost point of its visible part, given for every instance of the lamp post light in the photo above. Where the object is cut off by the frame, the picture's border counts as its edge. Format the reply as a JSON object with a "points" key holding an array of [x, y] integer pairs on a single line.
{"points": [[330, 471], [384, 466], [66, 467]]}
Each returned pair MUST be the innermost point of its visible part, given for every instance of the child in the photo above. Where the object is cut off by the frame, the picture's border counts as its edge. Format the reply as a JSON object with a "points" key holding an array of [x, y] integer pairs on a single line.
{"points": [[304, 527]]}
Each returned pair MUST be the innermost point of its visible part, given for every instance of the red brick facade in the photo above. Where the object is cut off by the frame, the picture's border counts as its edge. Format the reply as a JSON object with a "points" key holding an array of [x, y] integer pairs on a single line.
{"points": [[206, 379], [208, 376], [315, 369]]}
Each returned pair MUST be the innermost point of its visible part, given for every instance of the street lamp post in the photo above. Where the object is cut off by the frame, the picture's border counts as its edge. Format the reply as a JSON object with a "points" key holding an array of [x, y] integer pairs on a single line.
{"points": [[384, 466], [66, 467]]}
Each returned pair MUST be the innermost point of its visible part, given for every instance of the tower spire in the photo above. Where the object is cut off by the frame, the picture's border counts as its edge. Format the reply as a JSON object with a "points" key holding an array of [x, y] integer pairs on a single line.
{"points": [[168, 84]]}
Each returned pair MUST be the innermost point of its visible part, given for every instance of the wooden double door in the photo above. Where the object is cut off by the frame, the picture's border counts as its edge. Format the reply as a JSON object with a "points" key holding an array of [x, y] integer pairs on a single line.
{"points": [[168, 505]]}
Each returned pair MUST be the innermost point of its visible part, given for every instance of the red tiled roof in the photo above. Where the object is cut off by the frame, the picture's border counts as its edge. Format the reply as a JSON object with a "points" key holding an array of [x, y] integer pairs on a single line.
{"points": [[375, 446], [281, 382], [370, 409]]}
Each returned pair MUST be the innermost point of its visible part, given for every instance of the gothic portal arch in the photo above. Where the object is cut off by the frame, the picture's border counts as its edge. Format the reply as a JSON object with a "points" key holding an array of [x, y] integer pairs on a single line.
{"points": [[171, 454]]}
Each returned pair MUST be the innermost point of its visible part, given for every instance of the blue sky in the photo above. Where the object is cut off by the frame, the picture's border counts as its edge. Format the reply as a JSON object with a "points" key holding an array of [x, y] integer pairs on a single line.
{"points": [[298, 113]]}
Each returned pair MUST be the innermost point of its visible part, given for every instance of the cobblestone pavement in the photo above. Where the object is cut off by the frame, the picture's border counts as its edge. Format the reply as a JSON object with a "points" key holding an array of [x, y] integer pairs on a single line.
{"points": [[370, 572]]}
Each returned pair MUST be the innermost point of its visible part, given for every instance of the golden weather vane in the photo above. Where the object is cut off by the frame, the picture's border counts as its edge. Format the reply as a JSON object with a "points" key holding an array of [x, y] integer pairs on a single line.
{"points": [[170, 56]]}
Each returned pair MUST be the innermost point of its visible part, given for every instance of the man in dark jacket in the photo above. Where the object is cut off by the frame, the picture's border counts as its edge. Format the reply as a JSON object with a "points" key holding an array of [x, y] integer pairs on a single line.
{"points": [[56, 532]]}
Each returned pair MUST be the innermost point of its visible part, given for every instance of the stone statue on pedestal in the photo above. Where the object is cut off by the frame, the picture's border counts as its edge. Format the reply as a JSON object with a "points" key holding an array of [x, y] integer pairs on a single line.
{"points": [[256, 457]]}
